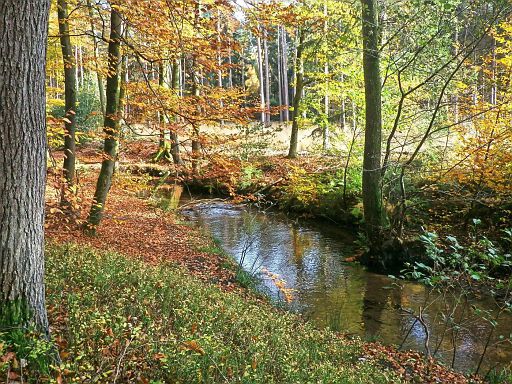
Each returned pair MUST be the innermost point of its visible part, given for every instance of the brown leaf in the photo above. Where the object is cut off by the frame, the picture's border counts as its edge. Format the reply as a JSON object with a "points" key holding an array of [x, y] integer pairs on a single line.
{"points": [[193, 346]]}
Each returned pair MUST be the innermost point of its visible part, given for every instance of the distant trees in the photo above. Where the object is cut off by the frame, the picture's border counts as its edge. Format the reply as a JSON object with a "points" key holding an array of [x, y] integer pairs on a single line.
{"points": [[427, 70], [23, 36]]}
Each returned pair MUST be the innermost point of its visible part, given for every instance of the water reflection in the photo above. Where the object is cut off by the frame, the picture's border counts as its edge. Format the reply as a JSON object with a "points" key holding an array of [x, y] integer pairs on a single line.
{"points": [[309, 257]]}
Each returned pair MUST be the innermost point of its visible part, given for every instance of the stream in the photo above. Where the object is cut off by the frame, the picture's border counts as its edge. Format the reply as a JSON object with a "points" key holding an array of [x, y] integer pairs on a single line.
{"points": [[309, 257]]}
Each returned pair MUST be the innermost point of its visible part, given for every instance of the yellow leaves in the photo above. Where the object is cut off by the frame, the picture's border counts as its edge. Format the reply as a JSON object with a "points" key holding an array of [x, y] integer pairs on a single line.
{"points": [[483, 153]]}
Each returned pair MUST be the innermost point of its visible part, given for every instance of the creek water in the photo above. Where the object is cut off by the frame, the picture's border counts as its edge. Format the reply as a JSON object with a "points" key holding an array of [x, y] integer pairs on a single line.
{"points": [[309, 258]]}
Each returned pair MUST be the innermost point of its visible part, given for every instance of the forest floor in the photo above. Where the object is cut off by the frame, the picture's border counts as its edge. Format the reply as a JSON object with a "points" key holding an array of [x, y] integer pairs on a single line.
{"points": [[135, 227]]}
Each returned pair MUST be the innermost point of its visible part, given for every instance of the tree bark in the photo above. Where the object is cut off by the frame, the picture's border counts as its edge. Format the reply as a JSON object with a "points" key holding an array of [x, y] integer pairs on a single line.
{"points": [[260, 76], [284, 47], [372, 199], [23, 36], [99, 77], [299, 88], [70, 100], [267, 79], [279, 74], [111, 125], [173, 135]]}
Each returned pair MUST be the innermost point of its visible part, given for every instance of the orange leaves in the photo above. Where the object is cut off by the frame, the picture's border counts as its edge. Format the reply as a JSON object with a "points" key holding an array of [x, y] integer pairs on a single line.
{"points": [[281, 285], [193, 345]]}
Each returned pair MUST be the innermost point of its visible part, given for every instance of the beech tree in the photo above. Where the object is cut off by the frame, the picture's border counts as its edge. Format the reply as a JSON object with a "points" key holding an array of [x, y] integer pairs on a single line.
{"points": [[111, 124], [23, 35], [70, 98]]}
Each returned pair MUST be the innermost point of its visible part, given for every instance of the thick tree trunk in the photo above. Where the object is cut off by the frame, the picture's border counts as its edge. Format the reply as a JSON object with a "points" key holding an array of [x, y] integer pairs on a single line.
{"points": [[70, 99], [372, 199], [299, 87], [111, 125], [23, 34]]}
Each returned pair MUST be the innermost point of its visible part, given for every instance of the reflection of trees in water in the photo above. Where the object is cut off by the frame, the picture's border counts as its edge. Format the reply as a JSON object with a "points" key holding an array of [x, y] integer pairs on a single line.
{"points": [[345, 297], [380, 316]]}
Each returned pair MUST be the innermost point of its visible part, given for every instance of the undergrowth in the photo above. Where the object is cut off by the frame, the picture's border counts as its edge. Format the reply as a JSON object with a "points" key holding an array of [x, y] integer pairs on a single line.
{"points": [[120, 320]]}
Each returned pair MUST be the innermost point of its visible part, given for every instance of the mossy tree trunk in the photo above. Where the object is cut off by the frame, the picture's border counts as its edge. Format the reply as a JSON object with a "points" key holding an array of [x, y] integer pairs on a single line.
{"points": [[372, 196], [299, 87], [23, 35], [70, 101], [111, 124]]}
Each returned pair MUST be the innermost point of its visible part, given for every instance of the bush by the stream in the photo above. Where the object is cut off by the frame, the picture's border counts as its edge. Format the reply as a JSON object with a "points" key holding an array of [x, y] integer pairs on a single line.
{"points": [[322, 194]]}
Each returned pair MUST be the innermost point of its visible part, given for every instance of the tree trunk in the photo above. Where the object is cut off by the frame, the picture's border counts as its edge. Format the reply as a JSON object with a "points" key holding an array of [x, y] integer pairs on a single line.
{"points": [[279, 74], [326, 142], [121, 104], [173, 135], [23, 36], [99, 77], [372, 199], [111, 125], [70, 100], [299, 87], [267, 79], [260, 76], [284, 47]]}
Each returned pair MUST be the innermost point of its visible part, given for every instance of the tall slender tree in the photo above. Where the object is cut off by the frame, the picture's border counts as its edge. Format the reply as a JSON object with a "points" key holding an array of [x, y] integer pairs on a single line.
{"points": [[299, 88], [372, 196], [111, 124], [70, 100], [23, 36]]}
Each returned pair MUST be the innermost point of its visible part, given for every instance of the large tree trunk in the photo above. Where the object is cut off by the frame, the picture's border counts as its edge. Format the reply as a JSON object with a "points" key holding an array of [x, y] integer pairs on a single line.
{"points": [[111, 124], [299, 87], [23, 34], [70, 100], [372, 198]]}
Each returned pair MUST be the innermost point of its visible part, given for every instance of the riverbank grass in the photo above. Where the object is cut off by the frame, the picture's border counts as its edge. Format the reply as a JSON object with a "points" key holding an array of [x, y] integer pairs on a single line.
{"points": [[116, 319]]}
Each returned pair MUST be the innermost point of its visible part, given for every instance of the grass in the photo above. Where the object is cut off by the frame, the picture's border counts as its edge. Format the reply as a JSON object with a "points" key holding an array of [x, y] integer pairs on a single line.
{"points": [[120, 320]]}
